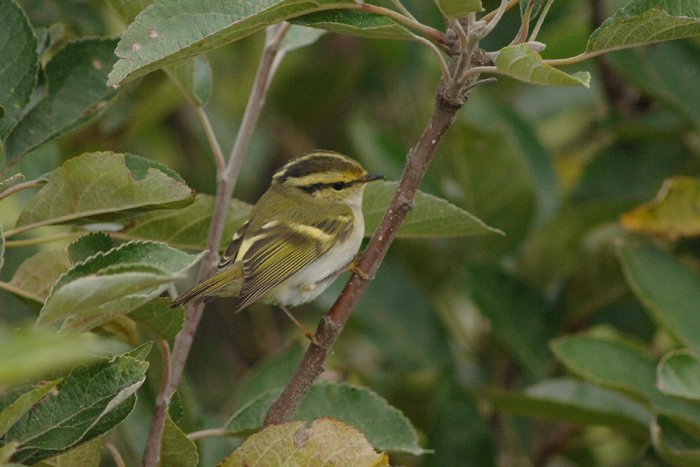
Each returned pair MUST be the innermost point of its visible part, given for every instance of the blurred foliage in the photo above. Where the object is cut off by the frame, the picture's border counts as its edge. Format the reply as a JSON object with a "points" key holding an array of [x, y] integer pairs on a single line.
{"points": [[454, 332]]}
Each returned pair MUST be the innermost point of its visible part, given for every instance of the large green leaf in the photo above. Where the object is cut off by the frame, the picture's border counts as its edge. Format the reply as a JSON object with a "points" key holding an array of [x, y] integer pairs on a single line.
{"points": [[667, 288], [76, 78], [519, 317], [385, 427], [679, 375], [86, 455], [111, 284], [619, 366], [647, 69], [524, 64], [567, 399], [159, 319], [22, 404], [84, 407], [187, 228], [356, 23], [172, 30], [104, 187], [20, 64], [430, 217], [645, 21], [34, 278], [177, 450]]}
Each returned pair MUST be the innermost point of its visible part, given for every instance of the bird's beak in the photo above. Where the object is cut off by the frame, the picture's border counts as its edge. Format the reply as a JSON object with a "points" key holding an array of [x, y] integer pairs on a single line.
{"points": [[371, 178]]}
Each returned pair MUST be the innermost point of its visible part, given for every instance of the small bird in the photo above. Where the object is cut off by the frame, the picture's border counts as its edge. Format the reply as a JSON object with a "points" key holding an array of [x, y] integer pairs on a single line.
{"points": [[301, 235]]}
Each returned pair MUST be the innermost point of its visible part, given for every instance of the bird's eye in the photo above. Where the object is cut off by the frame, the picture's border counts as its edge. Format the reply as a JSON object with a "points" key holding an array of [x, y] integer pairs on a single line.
{"points": [[337, 186]]}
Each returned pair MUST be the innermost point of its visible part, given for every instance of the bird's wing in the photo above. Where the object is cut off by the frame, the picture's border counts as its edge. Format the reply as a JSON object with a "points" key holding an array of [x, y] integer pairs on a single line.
{"points": [[233, 247], [279, 250]]}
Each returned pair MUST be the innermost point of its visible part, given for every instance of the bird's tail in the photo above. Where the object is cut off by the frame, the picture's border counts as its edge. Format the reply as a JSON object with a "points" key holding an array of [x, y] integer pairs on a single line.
{"points": [[227, 282]]}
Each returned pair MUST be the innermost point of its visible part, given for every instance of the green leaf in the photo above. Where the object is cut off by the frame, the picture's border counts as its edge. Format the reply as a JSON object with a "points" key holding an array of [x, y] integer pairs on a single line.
{"points": [[271, 373], [89, 245], [430, 217], [567, 399], [31, 354], [194, 79], [355, 23], [460, 435], [619, 366], [20, 64], [187, 228], [84, 408], [6, 453], [159, 319], [85, 455], [673, 213], [77, 93], [555, 251], [34, 278], [679, 375], [385, 427], [524, 64], [22, 404], [172, 30], [2, 248], [458, 8], [324, 442], [129, 9], [483, 172], [113, 283], [177, 450], [646, 21], [10, 182], [519, 316], [667, 288], [103, 187], [299, 36], [674, 444]]}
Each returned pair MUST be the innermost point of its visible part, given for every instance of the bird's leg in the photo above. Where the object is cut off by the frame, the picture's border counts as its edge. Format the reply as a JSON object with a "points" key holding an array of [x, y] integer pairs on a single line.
{"points": [[352, 266], [310, 335]]}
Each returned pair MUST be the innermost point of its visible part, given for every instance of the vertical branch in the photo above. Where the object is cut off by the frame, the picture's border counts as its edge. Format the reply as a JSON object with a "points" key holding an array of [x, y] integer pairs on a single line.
{"points": [[332, 324], [226, 182]]}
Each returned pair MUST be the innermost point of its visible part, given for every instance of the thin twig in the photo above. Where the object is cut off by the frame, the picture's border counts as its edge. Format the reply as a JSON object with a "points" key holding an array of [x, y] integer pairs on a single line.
{"points": [[521, 36], [22, 186], [226, 182], [212, 433], [152, 455], [495, 20], [41, 240], [118, 459], [403, 9], [331, 325], [211, 138], [438, 54], [540, 21]]}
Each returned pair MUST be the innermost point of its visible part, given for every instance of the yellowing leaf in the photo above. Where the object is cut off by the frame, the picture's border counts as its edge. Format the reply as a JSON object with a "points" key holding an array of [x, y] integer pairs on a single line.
{"points": [[675, 212], [326, 442]]}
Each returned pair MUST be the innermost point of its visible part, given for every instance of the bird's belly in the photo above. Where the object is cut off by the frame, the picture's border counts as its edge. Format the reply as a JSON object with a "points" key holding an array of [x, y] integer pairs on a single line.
{"points": [[311, 281]]}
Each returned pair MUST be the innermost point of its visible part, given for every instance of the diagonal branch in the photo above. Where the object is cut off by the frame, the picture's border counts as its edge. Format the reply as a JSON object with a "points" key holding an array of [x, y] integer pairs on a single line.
{"points": [[332, 324]]}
